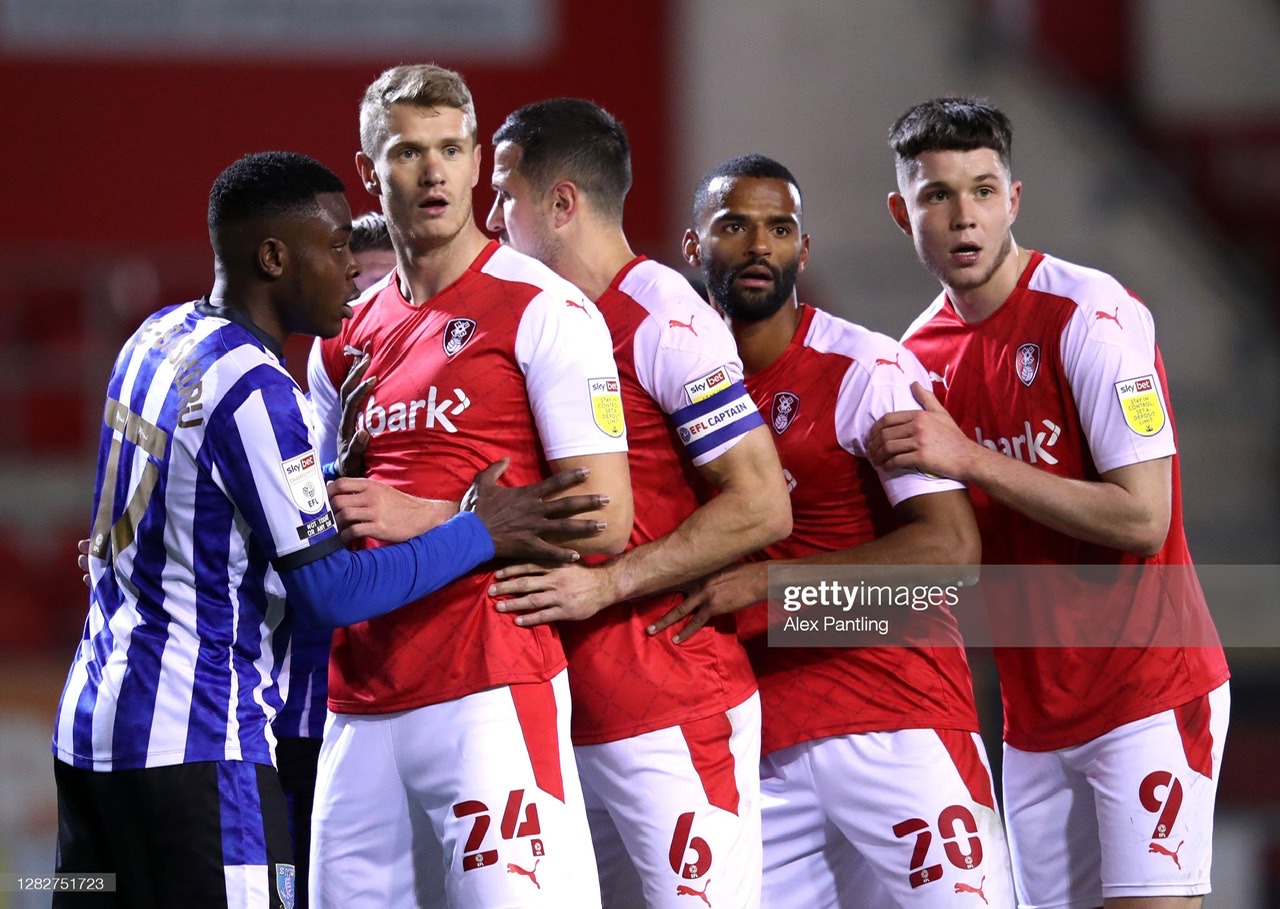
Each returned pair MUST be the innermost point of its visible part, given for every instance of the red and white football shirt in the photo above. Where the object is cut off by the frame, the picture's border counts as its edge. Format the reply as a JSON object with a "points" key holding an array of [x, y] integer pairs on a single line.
{"points": [[686, 405], [508, 361], [821, 398], [1066, 376]]}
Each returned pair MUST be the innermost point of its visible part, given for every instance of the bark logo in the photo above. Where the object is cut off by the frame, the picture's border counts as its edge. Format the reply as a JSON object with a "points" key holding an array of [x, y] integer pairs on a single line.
{"points": [[1029, 446], [402, 416]]}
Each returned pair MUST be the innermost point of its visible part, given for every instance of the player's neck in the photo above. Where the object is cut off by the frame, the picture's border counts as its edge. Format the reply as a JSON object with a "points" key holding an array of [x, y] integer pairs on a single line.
{"points": [[760, 344], [977, 304], [423, 273], [591, 260], [252, 302]]}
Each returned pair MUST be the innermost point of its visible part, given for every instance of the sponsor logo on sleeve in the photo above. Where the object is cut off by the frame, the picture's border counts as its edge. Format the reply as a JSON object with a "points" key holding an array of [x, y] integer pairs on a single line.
{"points": [[1141, 405], [457, 334], [786, 405], [606, 406], [705, 387], [1026, 363], [306, 484]]}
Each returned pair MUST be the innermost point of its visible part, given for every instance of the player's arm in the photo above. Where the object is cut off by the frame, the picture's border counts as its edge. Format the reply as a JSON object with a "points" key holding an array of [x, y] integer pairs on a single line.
{"points": [[1127, 508], [331, 587], [610, 479], [936, 528], [751, 511]]}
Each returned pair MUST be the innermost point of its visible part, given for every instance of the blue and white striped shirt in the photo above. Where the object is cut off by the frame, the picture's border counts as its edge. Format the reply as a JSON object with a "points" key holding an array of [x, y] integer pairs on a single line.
{"points": [[208, 483]]}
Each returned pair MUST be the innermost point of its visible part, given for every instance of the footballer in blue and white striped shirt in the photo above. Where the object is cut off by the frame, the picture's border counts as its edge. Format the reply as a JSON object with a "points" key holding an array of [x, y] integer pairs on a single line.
{"points": [[209, 512]]}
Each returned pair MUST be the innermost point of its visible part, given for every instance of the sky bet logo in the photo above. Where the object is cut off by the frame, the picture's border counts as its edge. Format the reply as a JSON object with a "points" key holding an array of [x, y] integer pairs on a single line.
{"points": [[400, 416], [298, 465], [1036, 445]]}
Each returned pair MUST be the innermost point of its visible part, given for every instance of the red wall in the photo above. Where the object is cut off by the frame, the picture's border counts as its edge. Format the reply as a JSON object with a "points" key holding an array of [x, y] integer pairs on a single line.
{"points": [[114, 154]]}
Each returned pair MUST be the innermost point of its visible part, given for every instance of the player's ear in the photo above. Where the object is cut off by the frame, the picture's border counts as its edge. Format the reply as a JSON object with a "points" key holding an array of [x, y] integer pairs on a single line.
{"points": [[691, 248], [273, 257], [898, 211], [564, 199], [368, 174], [1015, 199], [804, 252]]}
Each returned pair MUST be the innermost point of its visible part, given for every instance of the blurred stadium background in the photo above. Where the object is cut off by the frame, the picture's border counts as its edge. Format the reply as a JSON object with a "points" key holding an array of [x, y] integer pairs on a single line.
{"points": [[1147, 135]]}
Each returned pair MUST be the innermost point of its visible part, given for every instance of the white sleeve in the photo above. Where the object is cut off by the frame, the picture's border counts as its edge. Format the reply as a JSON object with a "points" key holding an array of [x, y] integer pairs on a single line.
{"points": [[327, 409], [566, 355], [697, 381], [1109, 359], [866, 395]]}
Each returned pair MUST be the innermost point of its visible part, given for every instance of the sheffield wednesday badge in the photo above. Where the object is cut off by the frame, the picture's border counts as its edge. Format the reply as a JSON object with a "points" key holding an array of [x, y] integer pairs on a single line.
{"points": [[785, 407], [1027, 363], [456, 335], [285, 885]]}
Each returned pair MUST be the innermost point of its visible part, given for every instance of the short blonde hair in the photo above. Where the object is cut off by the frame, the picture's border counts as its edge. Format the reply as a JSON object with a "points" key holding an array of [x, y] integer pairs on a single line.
{"points": [[423, 85]]}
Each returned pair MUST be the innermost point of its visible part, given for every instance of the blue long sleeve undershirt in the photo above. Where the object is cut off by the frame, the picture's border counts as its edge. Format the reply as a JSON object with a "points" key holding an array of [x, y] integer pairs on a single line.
{"points": [[346, 587]]}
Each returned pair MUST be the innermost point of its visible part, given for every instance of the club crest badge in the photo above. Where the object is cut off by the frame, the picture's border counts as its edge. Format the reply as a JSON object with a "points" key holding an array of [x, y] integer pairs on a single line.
{"points": [[457, 333], [785, 407], [286, 886], [1027, 363]]}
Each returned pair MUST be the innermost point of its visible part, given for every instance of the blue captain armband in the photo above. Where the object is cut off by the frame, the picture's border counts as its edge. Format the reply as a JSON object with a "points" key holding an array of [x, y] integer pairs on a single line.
{"points": [[713, 422]]}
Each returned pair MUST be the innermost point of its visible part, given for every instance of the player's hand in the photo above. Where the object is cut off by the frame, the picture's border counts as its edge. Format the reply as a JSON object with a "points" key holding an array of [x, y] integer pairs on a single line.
{"points": [[927, 440], [726, 591], [83, 561], [352, 442], [552, 594], [367, 508], [519, 518]]}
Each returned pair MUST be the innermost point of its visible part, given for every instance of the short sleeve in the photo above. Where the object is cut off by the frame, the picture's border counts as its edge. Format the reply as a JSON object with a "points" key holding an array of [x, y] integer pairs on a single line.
{"points": [[879, 383], [1110, 361], [565, 351]]}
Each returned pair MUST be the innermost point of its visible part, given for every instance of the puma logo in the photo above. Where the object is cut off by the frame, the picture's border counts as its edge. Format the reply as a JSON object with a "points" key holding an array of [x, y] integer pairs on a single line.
{"points": [[685, 890], [962, 887], [578, 306], [941, 379], [1114, 316], [1157, 848], [880, 361], [673, 323], [513, 868]]}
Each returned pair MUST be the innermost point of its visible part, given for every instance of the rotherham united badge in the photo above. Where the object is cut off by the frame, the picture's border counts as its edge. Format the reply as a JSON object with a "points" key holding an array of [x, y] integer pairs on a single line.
{"points": [[785, 407], [1027, 363], [456, 335]]}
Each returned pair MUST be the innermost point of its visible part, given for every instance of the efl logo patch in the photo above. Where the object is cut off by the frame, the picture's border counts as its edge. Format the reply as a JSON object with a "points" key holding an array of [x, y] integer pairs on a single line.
{"points": [[1027, 363], [306, 484], [1140, 402], [701, 389], [606, 406], [785, 407], [286, 885], [457, 333]]}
